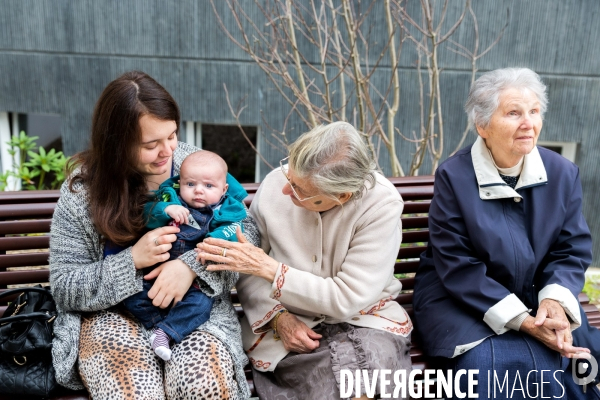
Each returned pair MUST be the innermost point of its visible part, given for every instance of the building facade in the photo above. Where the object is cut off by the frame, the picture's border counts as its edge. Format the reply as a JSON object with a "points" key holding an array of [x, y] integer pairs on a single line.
{"points": [[56, 57]]}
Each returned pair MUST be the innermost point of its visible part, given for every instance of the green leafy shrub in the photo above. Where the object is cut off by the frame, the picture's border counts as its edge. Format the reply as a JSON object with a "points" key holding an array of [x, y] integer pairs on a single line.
{"points": [[592, 289], [36, 170]]}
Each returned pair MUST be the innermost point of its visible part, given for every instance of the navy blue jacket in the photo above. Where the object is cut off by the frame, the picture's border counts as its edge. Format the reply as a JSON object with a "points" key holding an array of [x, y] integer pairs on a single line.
{"points": [[481, 251]]}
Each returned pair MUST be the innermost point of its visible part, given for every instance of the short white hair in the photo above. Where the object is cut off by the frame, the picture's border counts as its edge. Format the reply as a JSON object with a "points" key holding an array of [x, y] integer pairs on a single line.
{"points": [[484, 96], [335, 158]]}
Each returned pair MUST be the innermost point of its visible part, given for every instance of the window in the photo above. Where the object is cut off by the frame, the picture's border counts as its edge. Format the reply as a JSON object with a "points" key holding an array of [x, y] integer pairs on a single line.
{"points": [[45, 126], [228, 142], [566, 149]]}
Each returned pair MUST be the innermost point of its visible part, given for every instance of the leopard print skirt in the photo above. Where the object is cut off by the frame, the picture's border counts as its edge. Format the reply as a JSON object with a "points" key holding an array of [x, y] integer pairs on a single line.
{"points": [[116, 361]]}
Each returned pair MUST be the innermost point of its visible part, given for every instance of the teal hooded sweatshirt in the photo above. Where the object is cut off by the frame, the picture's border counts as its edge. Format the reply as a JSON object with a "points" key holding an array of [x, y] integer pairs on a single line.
{"points": [[225, 219]]}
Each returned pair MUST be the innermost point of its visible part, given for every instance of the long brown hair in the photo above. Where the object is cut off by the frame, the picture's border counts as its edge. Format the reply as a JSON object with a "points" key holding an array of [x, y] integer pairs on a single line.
{"points": [[117, 190]]}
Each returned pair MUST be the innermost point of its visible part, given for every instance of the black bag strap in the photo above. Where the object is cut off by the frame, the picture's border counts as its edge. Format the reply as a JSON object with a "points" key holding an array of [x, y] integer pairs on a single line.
{"points": [[23, 290], [30, 316]]}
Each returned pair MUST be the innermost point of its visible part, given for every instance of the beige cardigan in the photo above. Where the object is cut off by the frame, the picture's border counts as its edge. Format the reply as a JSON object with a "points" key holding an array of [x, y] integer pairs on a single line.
{"points": [[338, 266]]}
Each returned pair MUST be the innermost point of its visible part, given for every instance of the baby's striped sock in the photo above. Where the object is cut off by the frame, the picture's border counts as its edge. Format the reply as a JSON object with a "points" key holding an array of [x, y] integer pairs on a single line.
{"points": [[160, 344]]}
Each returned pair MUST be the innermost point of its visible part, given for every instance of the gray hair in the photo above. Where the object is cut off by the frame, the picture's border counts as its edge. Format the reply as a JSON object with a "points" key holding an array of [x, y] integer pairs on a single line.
{"points": [[484, 96], [334, 158]]}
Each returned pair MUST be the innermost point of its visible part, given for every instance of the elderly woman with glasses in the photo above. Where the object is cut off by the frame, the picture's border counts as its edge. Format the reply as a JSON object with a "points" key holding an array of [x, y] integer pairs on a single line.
{"points": [[496, 290], [319, 294]]}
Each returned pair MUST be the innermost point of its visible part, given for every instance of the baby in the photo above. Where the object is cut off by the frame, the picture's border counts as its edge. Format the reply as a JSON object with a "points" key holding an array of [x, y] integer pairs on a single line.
{"points": [[203, 201]]}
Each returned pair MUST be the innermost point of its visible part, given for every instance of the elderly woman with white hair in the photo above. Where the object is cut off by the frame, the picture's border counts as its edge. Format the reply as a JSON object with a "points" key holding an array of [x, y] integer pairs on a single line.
{"points": [[497, 286], [319, 295]]}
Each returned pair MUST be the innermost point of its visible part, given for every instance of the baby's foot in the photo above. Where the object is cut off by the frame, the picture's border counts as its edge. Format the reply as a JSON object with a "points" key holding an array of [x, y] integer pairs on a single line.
{"points": [[160, 344]]}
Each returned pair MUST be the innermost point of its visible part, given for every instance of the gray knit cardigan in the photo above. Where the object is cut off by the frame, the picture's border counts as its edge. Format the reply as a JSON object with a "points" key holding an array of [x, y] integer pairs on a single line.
{"points": [[83, 280]]}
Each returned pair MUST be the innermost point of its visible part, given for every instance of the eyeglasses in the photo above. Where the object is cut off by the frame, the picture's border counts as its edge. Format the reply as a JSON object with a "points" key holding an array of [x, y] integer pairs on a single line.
{"points": [[296, 195]]}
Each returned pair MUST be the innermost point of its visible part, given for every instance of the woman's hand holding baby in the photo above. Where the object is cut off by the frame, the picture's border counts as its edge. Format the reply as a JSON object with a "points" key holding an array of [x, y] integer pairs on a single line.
{"points": [[173, 280], [153, 247]]}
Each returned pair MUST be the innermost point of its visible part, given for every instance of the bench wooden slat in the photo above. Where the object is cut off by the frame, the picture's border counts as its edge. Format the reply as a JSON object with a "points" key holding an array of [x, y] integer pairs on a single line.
{"points": [[594, 320], [405, 267], [411, 252], [234, 297], [250, 385], [416, 207], [593, 315], [251, 188], [19, 277], [248, 199], [414, 223], [25, 226], [583, 298], [8, 298], [405, 298], [412, 180], [24, 259], [11, 211], [24, 242], [588, 307], [30, 196], [239, 311], [416, 192], [408, 283], [416, 352], [415, 236]]}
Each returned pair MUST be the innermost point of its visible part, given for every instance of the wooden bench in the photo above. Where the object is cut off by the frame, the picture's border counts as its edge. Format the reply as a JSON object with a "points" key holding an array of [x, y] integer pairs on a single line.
{"points": [[25, 223]]}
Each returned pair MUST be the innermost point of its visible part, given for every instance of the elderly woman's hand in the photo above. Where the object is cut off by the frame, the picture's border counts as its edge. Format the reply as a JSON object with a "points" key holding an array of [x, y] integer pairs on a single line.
{"points": [[548, 337], [296, 335], [551, 327], [173, 280], [551, 312], [241, 257]]}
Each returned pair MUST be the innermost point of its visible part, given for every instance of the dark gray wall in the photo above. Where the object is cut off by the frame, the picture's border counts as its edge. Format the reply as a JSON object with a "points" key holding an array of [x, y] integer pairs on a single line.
{"points": [[57, 56]]}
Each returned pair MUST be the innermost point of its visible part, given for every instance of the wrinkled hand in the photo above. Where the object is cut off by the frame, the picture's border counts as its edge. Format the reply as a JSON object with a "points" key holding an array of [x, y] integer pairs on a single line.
{"points": [[552, 328], [173, 279], [241, 257], [153, 247], [178, 213], [551, 310], [296, 335]]}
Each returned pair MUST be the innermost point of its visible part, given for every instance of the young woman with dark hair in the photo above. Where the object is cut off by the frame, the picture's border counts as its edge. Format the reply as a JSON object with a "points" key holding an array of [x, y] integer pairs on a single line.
{"points": [[109, 168], [99, 248]]}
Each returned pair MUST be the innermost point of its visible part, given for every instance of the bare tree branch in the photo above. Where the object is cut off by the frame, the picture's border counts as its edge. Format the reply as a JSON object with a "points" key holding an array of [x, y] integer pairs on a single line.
{"points": [[474, 57], [327, 70], [396, 167], [456, 24], [336, 44], [355, 61], [236, 115]]}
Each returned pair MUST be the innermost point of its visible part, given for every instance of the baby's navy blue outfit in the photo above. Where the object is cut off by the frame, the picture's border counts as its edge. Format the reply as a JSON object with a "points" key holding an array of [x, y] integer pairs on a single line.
{"points": [[218, 220]]}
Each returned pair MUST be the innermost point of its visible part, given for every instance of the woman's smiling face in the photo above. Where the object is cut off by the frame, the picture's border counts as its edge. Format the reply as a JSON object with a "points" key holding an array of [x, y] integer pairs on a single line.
{"points": [[514, 128], [159, 140]]}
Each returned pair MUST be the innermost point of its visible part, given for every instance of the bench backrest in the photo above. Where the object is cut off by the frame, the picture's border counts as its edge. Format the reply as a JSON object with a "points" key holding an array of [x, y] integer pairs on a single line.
{"points": [[25, 222]]}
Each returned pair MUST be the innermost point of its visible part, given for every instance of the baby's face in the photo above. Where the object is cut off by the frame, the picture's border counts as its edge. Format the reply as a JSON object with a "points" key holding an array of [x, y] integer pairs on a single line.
{"points": [[202, 186]]}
